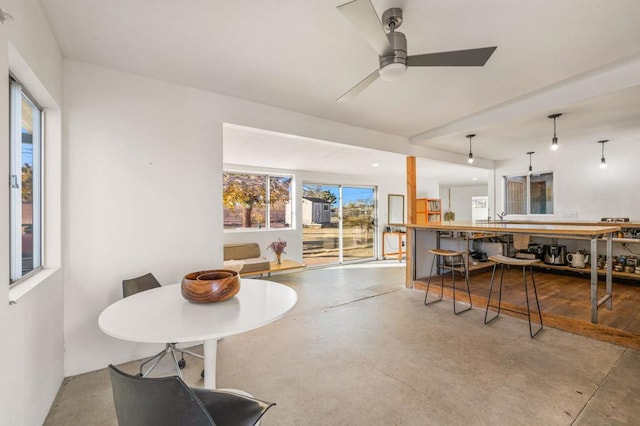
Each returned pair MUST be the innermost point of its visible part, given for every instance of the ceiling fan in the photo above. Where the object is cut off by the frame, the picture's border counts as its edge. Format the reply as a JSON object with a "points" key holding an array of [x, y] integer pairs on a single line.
{"points": [[392, 46]]}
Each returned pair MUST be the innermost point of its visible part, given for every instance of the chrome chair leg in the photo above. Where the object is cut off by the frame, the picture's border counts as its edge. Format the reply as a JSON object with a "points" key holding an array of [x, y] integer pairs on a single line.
{"points": [[157, 357], [184, 351], [169, 348], [175, 361]]}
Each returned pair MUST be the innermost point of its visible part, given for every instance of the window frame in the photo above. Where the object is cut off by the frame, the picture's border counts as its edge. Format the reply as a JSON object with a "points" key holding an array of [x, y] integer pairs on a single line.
{"points": [[527, 179], [267, 205], [18, 93]]}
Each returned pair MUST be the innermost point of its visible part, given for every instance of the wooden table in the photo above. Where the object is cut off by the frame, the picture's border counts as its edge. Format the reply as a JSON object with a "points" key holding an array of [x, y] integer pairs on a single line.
{"points": [[286, 265], [594, 233]]}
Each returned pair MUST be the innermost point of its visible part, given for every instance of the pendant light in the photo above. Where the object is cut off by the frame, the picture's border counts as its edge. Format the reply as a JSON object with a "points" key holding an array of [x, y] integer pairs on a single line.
{"points": [[470, 160], [554, 141], [530, 167], [603, 162]]}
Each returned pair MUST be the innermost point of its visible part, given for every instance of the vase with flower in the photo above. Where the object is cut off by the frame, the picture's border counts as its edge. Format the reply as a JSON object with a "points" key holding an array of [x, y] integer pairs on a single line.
{"points": [[278, 248]]}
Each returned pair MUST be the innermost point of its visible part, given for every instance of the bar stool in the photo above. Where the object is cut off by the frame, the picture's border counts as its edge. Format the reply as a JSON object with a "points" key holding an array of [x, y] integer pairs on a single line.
{"points": [[441, 254], [503, 260]]}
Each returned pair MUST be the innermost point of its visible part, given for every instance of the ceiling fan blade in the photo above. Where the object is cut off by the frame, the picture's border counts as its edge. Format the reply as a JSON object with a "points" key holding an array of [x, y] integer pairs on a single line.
{"points": [[453, 58], [363, 16], [355, 90]]}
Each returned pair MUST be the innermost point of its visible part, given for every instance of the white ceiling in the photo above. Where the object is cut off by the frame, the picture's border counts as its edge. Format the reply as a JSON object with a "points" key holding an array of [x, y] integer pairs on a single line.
{"points": [[288, 152], [578, 57]]}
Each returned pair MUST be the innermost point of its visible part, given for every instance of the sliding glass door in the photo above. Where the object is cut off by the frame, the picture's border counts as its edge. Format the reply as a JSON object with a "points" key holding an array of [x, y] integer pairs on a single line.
{"points": [[338, 223]]}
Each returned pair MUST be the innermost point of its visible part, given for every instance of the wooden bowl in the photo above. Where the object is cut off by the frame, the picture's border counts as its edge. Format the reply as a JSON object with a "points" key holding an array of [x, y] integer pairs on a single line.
{"points": [[210, 286]]}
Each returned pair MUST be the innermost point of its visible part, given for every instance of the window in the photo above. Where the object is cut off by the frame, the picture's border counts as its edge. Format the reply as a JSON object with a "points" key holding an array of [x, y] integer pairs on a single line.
{"points": [[26, 183], [529, 194], [338, 223], [256, 201]]}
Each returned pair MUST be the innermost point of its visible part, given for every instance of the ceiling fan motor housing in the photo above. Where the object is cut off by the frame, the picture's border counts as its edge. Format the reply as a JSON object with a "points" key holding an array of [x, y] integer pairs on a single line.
{"points": [[398, 56], [394, 65]]}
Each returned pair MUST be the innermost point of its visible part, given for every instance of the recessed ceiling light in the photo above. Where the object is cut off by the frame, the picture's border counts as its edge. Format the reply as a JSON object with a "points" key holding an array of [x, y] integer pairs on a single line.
{"points": [[375, 165], [474, 178]]}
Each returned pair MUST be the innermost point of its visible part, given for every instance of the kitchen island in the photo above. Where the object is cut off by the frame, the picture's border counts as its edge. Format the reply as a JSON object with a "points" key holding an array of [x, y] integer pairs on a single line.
{"points": [[423, 237]]}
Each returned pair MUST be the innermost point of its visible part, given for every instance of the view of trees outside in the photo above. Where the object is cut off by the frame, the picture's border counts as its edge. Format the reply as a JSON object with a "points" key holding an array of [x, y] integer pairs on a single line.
{"points": [[253, 201], [27, 111], [321, 241], [245, 196]]}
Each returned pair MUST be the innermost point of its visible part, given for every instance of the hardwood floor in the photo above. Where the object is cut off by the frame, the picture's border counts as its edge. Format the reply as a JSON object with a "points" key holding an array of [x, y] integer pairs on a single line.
{"points": [[564, 302]]}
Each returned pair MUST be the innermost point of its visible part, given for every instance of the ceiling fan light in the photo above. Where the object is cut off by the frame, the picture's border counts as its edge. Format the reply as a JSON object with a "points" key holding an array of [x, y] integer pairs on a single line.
{"points": [[393, 71]]}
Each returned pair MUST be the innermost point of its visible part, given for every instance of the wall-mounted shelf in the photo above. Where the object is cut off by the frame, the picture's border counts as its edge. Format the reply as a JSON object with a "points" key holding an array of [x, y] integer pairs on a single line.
{"points": [[428, 210]]}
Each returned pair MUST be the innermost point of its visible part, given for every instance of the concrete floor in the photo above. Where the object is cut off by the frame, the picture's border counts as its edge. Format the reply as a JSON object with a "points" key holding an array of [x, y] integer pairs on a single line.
{"points": [[361, 349]]}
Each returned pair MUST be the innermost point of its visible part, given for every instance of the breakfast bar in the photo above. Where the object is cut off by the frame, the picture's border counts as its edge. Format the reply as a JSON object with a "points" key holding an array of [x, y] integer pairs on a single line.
{"points": [[423, 236]]}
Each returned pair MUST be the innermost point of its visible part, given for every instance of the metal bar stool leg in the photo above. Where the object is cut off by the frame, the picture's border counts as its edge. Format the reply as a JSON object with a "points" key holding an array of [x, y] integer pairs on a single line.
{"points": [[526, 295], [435, 256], [466, 279], [486, 312]]}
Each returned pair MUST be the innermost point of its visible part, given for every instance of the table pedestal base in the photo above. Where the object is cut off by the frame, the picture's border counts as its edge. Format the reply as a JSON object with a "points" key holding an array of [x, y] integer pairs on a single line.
{"points": [[210, 348]]}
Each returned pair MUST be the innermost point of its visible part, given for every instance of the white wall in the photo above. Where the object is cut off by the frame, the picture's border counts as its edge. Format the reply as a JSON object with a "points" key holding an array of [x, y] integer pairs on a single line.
{"points": [[461, 199], [582, 191], [31, 330], [143, 180], [426, 189]]}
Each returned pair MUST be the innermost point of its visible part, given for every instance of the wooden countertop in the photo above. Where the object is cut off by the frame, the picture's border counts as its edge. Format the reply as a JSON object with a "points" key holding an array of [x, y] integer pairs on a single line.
{"points": [[523, 228], [576, 222]]}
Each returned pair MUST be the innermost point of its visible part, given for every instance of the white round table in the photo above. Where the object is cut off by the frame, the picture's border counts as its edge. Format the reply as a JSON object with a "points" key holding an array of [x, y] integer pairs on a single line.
{"points": [[162, 315]]}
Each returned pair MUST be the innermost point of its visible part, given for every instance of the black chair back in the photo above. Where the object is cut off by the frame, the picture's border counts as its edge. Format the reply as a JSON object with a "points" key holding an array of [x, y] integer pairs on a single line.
{"points": [[138, 284], [141, 401]]}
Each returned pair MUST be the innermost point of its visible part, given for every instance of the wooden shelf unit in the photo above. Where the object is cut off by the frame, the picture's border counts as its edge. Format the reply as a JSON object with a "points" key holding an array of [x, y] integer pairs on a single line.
{"points": [[586, 271], [627, 235], [428, 210], [394, 244]]}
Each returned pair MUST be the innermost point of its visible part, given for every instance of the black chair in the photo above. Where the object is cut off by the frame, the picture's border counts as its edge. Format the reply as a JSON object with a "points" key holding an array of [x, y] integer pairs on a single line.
{"points": [[143, 283], [141, 401]]}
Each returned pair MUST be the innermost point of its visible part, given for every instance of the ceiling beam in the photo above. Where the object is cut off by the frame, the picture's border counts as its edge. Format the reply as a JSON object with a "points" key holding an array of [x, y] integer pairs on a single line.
{"points": [[610, 78]]}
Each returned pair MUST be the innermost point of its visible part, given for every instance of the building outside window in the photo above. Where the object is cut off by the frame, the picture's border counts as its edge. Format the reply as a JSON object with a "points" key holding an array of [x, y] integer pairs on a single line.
{"points": [[526, 194], [26, 183], [256, 201]]}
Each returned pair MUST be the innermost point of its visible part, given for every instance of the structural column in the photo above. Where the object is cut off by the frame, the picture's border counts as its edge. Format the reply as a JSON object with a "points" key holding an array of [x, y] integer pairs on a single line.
{"points": [[411, 218]]}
